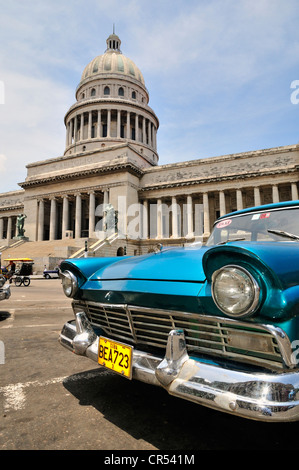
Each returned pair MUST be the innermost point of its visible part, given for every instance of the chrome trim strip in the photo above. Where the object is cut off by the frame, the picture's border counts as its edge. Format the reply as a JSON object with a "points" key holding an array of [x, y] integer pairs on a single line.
{"points": [[214, 327]]}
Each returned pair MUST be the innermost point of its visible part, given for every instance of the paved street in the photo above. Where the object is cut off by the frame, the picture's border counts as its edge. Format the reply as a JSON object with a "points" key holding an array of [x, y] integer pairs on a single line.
{"points": [[52, 399]]}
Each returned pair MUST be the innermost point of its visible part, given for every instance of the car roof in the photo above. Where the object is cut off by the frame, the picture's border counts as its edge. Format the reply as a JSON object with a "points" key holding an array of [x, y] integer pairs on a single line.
{"points": [[265, 207]]}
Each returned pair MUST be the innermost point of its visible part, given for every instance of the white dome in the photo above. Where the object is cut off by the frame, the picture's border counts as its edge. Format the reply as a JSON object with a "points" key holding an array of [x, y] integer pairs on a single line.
{"points": [[112, 62]]}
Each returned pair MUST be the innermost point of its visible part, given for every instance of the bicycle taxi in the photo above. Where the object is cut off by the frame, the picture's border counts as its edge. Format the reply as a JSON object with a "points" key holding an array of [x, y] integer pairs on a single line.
{"points": [[21, 271]]}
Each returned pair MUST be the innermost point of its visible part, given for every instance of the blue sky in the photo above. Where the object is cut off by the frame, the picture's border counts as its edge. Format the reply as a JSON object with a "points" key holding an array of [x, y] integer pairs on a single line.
{"points": [[219, 73]]}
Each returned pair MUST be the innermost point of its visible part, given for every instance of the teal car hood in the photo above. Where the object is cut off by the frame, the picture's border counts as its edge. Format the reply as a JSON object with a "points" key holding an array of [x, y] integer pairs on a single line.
{"points": [[180, 264], [280, 260]]}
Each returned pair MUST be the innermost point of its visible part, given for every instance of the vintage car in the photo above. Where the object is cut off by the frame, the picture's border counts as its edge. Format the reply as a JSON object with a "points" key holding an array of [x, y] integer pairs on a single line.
{"points": [[4, 290], [217, 324], [51, 273]]}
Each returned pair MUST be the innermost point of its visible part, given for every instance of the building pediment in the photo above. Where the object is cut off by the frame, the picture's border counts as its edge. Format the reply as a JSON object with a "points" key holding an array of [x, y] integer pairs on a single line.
{"points": [[114, 159]]}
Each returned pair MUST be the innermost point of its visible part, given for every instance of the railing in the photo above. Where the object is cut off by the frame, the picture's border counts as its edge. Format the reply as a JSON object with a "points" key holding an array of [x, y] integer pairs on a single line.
{"points": [[95, 246]]}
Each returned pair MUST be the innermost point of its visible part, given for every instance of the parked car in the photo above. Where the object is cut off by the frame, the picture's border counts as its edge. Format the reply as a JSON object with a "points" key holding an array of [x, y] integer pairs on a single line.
{"points": [[217, 325], [51, 273], [4, 290]]}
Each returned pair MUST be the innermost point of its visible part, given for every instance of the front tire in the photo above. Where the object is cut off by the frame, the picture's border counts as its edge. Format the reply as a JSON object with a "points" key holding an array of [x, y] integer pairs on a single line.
{"points": [[26, 281], [18, 281]]}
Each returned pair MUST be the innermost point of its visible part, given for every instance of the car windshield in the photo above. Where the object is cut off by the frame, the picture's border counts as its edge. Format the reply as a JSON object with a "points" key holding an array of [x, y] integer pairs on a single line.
{"points": [[273, 225]]}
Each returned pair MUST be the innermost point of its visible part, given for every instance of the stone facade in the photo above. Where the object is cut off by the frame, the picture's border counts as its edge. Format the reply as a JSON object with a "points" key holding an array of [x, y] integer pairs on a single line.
{"points": [[111, 162]]}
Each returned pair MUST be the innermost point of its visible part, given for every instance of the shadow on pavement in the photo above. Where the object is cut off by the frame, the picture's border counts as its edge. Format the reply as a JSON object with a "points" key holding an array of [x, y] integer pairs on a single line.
{"points": [[4, 315], [169, 423]]}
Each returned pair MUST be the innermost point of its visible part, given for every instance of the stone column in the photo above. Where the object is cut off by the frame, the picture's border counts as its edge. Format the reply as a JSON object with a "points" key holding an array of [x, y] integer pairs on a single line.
{"points": [[143, 131], [174, 208], [109, 123], [9, 226], [257, 196], [206, 215], [136, 127], [89, 124], [128, 126], [275, 193], [16, 226], [294, 190], [155, 138], [145, 220], [67, 128], [99, 133], [65, 215], [75, 128], [149, 133], [106, 197], [78, 215], [239, 199], [1, 228], [41, 217], [82, 127], [190, 230], [105, 203], [53, 219], [118, 124], [159, 218], [71, 132], [222, 203], [92, 211]]}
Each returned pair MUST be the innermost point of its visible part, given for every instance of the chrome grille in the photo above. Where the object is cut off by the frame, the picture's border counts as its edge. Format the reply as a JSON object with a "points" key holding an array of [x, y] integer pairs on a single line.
{"points": [[204, 334]]}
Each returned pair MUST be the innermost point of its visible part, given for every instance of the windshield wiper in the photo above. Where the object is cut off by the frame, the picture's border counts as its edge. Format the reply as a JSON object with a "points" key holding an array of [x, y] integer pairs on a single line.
{"points": [[284, 234], [231, 240]]}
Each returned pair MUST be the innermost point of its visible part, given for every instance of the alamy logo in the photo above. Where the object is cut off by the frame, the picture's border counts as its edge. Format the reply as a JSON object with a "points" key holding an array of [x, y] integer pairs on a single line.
{"points": [[295, 94]]}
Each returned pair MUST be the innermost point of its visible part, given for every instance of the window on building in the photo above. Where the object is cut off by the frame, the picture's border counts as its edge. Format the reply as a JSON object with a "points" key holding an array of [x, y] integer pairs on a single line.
{"points": [[120, 251], [121, 92], [106, 90], [93, 92], [134, 95]]}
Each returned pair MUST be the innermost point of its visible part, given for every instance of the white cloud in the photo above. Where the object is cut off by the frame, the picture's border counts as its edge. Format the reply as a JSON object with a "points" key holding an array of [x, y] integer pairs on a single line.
{"points": [[31, 122], [218, 72]]}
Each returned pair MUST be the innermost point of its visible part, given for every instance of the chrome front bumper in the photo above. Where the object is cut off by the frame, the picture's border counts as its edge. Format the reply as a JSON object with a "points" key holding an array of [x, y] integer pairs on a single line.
{"points": [[259, 396], [4, 293]]}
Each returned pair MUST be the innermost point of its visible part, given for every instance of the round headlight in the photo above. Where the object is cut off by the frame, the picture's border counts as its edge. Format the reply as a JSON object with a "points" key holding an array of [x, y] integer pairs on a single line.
{"points": [[69, 283], [235, 291]]}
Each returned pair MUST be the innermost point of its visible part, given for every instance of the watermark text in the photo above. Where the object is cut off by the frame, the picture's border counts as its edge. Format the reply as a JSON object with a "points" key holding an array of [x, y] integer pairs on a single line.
{"points": [[295, 93]]}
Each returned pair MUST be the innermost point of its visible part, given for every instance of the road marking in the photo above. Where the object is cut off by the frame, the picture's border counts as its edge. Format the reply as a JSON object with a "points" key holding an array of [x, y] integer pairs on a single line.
{"points": [[45, 325], [41, 301], [15, 397], [9, 322]]}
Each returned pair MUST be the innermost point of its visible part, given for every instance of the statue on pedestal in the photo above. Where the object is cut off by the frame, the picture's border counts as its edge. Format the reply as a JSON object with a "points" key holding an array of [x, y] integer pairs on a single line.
{"points": [[20, 225]]}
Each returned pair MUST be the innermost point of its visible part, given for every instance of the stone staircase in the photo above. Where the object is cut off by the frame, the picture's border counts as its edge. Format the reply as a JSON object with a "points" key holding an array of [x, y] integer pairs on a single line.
{"points": [[95, 247], [44, 253], [50, 253]]}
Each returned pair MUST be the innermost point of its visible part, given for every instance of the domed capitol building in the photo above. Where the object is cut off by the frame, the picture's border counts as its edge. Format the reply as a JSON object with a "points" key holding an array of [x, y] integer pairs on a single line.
{"points": [[107, 195]]}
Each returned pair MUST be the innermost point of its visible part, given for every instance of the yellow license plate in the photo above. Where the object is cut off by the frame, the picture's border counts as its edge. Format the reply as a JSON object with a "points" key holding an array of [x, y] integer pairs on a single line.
{"points": [[115, 356]]}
